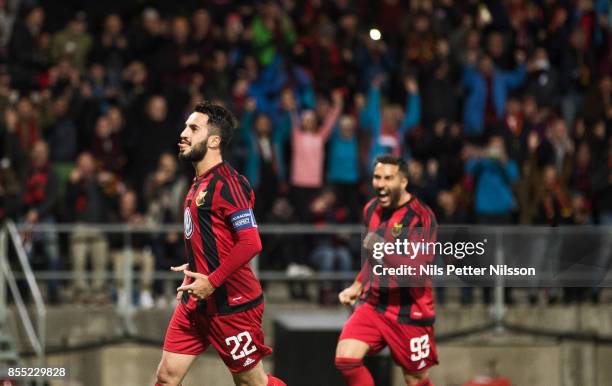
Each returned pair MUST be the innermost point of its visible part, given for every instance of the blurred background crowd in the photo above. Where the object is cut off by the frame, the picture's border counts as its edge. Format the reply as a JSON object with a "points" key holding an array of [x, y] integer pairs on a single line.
{"points": [[503, 109]]}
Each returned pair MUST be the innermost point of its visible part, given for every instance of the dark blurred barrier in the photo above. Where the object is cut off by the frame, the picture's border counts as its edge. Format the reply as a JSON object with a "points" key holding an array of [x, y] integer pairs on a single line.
{"points": [[304, 349]]}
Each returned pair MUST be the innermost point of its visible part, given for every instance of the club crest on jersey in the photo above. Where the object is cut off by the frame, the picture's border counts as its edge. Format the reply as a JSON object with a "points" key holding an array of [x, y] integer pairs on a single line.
{"points": [[188, 223], [200, 199], [396, 230]]}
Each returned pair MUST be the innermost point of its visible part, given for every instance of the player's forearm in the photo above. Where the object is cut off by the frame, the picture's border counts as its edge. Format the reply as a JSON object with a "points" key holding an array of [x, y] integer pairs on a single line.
{"points": [[248, 245], [362, 275]]}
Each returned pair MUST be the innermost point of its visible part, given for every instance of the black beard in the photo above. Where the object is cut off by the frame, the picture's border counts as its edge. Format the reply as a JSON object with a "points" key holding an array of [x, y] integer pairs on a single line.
{"points": [[394, 197], [196, 154]]}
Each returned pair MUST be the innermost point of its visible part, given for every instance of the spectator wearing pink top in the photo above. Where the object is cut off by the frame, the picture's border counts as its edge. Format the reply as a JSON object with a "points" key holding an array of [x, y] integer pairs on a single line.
{"points": [[308, 153]]}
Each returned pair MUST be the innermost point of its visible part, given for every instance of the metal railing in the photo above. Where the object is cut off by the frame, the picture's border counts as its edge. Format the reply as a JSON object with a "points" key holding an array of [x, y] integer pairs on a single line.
{"points": [[36, 335], [499, 255]]}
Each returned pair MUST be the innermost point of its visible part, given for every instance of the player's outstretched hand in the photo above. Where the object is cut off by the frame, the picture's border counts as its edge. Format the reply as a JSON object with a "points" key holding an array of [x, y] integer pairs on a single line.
{"points": [[349, 295], [200, 288]]}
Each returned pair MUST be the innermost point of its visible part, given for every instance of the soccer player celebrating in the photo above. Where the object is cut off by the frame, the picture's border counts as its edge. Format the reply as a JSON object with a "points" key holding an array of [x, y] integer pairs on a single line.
{"points": [[221, 301], [392, 312]]}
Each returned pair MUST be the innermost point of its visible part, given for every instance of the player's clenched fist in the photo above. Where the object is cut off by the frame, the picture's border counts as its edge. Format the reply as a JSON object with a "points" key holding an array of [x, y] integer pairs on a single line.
{"points": [[186, 279], [370, 239], [350, 295]]}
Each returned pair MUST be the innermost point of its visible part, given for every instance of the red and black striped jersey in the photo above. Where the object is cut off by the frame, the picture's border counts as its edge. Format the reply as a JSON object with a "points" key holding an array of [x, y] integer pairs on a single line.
{"points": [[218, 206], [407, 300]]}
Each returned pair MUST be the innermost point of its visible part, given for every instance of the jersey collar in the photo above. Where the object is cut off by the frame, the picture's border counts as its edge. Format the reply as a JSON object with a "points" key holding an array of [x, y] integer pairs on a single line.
{"points": [[209, 171]]}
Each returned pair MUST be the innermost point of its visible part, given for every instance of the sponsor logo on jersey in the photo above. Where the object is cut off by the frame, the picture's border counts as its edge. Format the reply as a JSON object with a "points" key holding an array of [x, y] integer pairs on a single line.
{"points": [[200, 199], [243, 219], [248, 362], [188, 223]]}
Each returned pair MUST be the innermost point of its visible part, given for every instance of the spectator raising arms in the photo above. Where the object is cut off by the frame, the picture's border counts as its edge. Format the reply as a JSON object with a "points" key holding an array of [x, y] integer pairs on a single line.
{"points": [[385, 124], [308, 140], [493, 175], [487, 88]]}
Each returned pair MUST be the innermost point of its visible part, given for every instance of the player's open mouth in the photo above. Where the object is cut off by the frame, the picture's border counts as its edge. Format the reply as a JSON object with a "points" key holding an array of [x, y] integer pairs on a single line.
{"points": [[183, 145], [383, 196]]}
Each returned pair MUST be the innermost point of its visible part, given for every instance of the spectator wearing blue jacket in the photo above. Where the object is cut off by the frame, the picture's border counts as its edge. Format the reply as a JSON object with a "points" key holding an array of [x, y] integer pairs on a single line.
{"points": [[387, 131], [343, 164], [487, 89], [272, 82], [282, 121], [269, 82], [493, 174], [261, 166]]}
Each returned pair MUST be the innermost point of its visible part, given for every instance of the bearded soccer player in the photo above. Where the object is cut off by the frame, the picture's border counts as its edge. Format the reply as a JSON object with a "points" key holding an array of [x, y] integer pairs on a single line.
{"points": [[392, 311], [221, 301]]}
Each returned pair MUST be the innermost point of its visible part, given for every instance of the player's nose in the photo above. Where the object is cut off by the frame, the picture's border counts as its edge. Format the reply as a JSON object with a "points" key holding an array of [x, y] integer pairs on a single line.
{"points": [[184, 134]]}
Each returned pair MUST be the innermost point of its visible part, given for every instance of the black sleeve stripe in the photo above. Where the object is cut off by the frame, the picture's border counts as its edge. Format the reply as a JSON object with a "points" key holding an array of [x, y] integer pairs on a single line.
{"points": [[227, 195], [427, 218], [238, 191], [246, 188], [231, 178], [230, 182], [228, 189], [225, 192]]}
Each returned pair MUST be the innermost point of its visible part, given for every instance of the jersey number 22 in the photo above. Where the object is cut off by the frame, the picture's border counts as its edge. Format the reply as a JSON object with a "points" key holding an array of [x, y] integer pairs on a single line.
{"points": [[244, 339]]}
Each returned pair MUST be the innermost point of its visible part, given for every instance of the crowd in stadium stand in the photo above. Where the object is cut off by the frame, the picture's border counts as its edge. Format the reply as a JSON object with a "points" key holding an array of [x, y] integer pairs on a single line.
{"points": [[503, 109]]}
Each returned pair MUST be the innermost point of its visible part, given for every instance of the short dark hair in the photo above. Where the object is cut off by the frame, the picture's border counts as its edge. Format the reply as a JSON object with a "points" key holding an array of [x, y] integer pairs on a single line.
{"points": [[220, 118], [393, 160]]}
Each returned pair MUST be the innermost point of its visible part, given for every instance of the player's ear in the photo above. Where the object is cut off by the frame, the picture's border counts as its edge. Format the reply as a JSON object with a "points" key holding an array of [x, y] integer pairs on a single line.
{"points": [[404, 182], [214, 141]]}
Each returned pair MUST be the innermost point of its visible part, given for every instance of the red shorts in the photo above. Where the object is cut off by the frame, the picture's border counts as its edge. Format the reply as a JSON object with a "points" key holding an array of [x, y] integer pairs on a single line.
{"points": [[238, 338], [412, 347]]}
